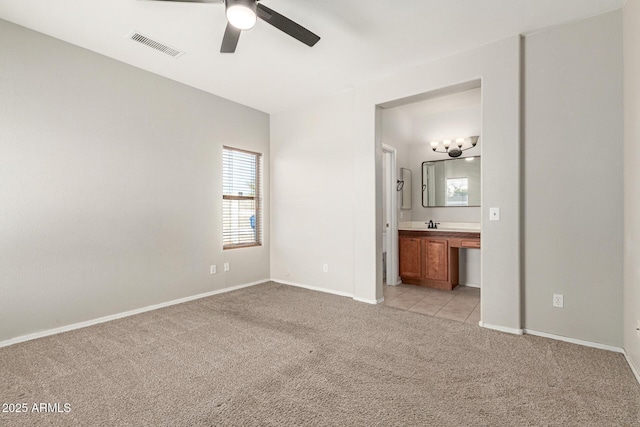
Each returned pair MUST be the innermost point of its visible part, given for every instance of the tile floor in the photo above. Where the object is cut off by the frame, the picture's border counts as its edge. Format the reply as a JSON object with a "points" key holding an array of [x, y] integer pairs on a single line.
{"points": [[461, 304]]}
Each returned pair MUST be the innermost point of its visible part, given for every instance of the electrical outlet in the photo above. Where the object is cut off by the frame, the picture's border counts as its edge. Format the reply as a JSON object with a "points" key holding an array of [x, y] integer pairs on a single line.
{"points": [[558, 300], [213, 269], [494, 214], [325, 268], [226, 266]]}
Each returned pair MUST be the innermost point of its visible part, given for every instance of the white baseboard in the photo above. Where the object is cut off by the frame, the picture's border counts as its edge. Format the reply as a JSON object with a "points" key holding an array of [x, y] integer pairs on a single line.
{"points": [[574, 341], [369, 301], [633, 367], [329, 291], [471, 285], [313, 288], [501, 328], [84, 324]]}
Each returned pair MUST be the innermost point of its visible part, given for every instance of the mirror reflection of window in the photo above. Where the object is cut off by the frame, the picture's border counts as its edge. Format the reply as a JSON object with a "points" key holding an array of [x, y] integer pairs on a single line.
{"points": [[458, 191]]}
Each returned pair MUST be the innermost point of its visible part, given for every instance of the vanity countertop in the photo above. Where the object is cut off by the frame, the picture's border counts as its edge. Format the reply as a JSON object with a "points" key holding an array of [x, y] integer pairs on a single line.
{"points": [[455, 227]]}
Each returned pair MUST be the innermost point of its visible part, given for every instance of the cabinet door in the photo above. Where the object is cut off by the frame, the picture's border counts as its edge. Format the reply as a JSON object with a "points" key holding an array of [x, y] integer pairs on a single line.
{"points": [[410, 257], [435, 259]]}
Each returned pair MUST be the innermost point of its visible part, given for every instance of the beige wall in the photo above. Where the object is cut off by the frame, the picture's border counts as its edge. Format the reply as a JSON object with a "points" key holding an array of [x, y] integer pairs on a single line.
{"points": [[348, 126], [109, 181], [573, 179], [110, 186], [396, 132], [463, 121], [631, 42], [312, 213], [497, 65]]}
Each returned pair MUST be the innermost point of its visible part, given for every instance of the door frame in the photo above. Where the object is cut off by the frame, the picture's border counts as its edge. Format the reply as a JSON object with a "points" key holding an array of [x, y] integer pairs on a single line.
{"points": [[389, 156]]}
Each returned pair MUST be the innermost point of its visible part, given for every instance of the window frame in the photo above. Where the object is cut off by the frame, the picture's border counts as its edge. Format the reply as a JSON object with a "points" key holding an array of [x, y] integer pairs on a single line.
{"points": [[447, 183], [257, 198]]}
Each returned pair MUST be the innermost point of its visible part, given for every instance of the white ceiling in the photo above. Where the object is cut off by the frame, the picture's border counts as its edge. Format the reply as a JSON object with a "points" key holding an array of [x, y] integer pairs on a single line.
{"points": [[270, 71]]}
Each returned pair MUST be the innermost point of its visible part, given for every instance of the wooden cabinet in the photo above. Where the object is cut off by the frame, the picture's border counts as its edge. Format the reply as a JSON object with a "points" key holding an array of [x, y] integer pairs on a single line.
{"points": [[430, 258], [410, 258], [434, 257]]}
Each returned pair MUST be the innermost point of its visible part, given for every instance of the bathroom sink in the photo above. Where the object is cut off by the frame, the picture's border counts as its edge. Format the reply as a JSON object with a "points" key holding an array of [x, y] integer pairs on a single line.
{"points": [[456, 227]]}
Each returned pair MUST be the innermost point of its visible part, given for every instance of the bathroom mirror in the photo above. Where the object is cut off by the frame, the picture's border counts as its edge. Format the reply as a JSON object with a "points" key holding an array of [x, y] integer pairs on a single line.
{"points": [[452, 182], [406, 188]]}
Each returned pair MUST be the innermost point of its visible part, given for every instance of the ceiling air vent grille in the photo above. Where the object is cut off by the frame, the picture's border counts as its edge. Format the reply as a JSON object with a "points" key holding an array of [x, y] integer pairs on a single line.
{"points": [[155, 44]]}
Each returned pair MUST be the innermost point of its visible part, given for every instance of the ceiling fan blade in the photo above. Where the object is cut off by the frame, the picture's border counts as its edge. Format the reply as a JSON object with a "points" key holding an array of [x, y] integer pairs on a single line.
{"points": [[287, 25], [230, 39]]}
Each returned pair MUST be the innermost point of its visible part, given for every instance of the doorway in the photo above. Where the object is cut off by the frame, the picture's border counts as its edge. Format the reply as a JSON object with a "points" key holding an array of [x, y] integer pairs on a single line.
{"points": [[407, 129]]}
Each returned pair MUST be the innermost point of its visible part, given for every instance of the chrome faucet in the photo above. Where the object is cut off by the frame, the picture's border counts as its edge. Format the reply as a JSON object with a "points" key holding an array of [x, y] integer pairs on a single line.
{"points": [[432, 225]]}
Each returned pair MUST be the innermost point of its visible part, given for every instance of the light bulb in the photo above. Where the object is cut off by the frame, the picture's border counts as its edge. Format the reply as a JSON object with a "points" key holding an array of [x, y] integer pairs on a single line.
{"points": [[460, 141], [446, 143], [434, 145], [241, 14]]}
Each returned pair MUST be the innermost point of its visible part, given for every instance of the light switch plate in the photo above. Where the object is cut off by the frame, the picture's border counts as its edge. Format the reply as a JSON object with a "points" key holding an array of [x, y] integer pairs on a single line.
{"points": [[494, 214]]}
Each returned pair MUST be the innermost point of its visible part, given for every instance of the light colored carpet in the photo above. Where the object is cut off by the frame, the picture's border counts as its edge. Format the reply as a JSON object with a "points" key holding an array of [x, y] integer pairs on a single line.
{"points": [[276, 355]]}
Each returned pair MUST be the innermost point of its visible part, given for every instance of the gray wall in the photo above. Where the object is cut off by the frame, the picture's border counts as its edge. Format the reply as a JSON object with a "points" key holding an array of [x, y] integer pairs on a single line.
{"points": [[465, 121], [498, 66], [396, 132], [632, 181], [312, 218], [110, 186], [573, 179]]}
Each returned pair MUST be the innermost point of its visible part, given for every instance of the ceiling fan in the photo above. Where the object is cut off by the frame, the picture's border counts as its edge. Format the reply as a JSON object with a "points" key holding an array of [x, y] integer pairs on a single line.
{"points": [[242, 15]]}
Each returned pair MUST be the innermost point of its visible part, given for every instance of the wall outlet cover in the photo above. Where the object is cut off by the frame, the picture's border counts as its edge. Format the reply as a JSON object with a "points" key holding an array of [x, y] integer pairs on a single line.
{"points": [[213, 269], [226, 266], [558, 300]]}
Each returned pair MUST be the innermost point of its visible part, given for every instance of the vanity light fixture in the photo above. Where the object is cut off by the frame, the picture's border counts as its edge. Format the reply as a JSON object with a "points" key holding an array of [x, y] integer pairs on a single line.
{"points": [[454, 148]]}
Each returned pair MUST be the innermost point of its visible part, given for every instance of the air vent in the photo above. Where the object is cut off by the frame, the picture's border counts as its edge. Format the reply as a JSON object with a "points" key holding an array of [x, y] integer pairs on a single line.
{"points": [[155, 44]]}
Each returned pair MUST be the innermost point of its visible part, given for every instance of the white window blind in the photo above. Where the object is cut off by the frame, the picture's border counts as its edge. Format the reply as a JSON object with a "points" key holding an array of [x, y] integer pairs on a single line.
{"points": [[241, 198]]}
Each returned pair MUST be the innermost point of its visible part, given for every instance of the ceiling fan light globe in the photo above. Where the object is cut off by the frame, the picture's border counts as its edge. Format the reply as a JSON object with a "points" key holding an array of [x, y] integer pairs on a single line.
{"points": [[241, 14]]}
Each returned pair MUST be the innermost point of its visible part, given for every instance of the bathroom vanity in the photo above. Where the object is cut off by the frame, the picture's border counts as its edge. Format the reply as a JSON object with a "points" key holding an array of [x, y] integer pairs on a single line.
{"points": [[429, 257]]}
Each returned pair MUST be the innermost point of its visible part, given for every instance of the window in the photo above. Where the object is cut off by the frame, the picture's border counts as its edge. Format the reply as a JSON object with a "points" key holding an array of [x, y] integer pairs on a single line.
{"points": [[457, 191], [241, 198]]}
